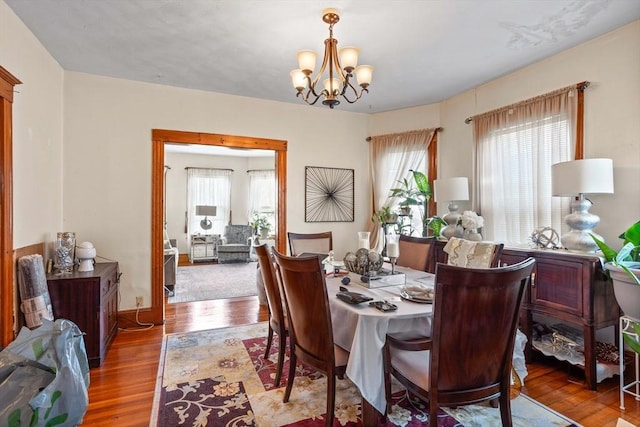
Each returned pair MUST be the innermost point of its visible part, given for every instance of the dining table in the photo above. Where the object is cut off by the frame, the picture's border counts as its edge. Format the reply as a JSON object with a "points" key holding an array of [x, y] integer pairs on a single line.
{"points": [[361, 329]]}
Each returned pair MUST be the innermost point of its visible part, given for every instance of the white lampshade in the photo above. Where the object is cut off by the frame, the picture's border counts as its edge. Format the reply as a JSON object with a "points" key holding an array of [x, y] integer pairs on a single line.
{"points": [[332, 86], [587, 176], [364, 75], [204, 210], [349, 57], [450, 189], [307, 60], [297, 79]]}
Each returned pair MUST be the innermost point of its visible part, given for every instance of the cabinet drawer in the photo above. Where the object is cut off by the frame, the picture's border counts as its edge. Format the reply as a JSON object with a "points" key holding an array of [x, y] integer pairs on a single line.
{"points": [[199, 251], [558, 285]]}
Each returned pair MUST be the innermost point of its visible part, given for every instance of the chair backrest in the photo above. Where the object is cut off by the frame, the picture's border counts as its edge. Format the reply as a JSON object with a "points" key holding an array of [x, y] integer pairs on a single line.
{"points": [[482, 306], [416, 253], [238, 233], [319, 243], [271, 286], [467, 253], [307, 306]]}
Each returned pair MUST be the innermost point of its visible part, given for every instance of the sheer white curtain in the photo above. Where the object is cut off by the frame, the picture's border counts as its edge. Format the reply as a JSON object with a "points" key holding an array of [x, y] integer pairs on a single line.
{"points": [[390, 159], [515, 148], [262, 193], [208, 187]]}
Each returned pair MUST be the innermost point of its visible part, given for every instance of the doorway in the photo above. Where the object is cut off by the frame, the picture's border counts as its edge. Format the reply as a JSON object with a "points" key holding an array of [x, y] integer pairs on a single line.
{"points": [[162, 136]]}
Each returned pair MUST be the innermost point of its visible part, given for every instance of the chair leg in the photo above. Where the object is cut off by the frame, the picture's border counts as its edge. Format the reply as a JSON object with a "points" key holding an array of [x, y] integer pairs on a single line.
{"points": [[433, 413], [386, 360], [269, 339], [292, 374], [331, 398], [505, 410], [281, 348]]}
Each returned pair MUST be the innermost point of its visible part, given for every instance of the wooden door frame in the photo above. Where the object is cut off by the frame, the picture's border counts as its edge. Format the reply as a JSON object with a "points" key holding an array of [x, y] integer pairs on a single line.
{"points": [[7, 268], [161, 136]]}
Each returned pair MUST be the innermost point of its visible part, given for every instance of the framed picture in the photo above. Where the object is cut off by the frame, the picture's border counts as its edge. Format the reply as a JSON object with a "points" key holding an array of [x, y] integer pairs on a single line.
{"points": [[328, 194]]}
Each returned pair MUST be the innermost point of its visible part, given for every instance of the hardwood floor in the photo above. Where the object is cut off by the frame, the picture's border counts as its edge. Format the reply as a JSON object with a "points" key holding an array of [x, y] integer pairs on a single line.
{"points": [[122, 389]]}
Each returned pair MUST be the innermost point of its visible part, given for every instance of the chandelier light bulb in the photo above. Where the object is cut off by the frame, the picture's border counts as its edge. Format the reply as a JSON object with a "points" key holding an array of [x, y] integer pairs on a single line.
{"points": [[298, 79], [349, 58], [332, 86], [364, 74], [307, 60]]}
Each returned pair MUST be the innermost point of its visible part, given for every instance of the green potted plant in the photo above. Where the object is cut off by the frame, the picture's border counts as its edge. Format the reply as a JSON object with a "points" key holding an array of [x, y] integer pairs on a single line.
{"points": [[623, 268], [414, 193], [260, 224], [384, 216]]}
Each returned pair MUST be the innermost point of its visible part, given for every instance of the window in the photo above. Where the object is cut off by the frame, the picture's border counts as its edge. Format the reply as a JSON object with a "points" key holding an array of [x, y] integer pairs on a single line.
{"points": [[262, 195], [516, 147], [210, 187], [391, 159]]}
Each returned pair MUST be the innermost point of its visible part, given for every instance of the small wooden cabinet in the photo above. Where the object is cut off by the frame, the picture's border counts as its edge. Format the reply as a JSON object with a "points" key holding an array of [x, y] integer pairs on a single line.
{"points": [[566, 286], [204, 247], [571, 288], [90, 300]]}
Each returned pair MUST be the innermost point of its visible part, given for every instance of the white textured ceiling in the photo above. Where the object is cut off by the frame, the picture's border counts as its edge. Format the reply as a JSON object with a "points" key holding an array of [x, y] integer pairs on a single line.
{"points": [[423, 51]]}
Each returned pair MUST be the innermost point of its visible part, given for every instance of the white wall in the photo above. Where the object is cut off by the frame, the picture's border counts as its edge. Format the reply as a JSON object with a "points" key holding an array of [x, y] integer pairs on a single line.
{"points": [[612, 111], [108, 126], [176, 186], [37, 132]]}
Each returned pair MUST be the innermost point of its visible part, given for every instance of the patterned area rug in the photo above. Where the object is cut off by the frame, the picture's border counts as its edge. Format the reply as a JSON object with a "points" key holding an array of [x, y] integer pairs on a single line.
{"points": [[220, 378], [214, 281]]}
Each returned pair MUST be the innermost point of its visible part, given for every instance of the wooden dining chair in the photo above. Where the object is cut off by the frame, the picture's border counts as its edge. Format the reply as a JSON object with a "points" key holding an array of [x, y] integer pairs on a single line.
{"points": [[467, 253], [467, 358], [277, 318], [416, 253], [316, 243], [310, 328]]}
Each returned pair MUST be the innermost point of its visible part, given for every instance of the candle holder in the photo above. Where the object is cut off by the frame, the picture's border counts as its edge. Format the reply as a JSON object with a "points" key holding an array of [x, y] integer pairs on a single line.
{"points": [[393, 250]]}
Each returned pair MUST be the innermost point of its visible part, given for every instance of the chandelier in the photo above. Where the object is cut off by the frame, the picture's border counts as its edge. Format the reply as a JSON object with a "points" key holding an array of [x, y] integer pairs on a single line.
{"points": [[340, 70]]}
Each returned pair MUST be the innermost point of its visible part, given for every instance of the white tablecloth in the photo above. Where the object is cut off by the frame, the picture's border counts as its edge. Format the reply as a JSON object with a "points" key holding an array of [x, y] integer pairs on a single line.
{"points": [[362, 330]]}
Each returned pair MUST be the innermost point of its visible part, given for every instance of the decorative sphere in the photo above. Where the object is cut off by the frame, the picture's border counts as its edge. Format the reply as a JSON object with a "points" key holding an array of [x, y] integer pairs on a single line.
{"points": [[545, 238]]}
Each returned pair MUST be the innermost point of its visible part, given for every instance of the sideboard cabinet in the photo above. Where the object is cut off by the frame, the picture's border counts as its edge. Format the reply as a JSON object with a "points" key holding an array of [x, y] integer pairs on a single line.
{"points": [[90, 300], [571, 288]]}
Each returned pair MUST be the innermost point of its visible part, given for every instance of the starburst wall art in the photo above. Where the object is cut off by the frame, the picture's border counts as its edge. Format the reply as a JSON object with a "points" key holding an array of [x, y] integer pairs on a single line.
{"points": [[328, 194]]}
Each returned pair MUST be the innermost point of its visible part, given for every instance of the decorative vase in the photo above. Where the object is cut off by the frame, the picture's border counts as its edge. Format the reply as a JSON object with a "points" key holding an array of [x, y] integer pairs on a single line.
{"points": [[472, 234], [626, 290], [64, 251], [264, 233]]}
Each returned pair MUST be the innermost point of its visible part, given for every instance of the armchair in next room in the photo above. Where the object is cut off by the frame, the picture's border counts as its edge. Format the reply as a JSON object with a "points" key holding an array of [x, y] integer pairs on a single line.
{"points": [[236, 244]]}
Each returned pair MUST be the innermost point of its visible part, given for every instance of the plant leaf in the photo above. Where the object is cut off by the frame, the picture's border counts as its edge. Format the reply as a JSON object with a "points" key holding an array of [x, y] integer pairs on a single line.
{"points": [[609, 254], [633, 234], [422, 183]]}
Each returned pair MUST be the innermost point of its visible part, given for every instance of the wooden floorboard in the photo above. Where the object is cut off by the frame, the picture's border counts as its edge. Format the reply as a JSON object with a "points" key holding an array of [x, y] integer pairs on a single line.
{"points": [[121, 390]]}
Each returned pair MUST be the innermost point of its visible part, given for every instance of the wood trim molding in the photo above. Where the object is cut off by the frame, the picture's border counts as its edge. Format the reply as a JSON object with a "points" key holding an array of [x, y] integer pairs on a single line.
{"points": [[7, 265], [159, 137]]}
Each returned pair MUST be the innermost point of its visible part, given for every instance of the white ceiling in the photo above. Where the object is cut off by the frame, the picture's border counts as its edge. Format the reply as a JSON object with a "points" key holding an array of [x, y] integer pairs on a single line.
{"points": [[423, 51]]}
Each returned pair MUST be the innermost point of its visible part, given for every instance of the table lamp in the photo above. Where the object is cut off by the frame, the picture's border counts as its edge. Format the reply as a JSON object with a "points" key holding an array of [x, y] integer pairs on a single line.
{"points": [[206, 211], [587, 176], [451, 190]]}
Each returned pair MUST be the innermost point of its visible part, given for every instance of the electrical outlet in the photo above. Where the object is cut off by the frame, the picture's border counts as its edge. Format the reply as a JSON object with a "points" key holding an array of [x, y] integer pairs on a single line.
{"points": [[138, 301]]}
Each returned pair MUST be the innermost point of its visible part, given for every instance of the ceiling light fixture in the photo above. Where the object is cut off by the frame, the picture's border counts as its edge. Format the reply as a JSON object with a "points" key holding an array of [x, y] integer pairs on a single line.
{"points": [[337, 84]]}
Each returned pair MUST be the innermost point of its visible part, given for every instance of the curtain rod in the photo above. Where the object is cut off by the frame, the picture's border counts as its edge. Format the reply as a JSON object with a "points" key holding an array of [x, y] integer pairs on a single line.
{"points": [[439, 129], [210, 169], [260, 170], [580, 86]]}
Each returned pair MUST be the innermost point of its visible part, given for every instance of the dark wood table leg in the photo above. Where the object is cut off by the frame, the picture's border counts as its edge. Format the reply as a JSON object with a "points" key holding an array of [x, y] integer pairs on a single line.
{"points": [[369, 414]]}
